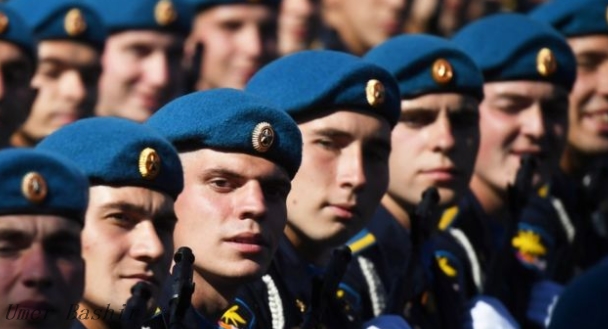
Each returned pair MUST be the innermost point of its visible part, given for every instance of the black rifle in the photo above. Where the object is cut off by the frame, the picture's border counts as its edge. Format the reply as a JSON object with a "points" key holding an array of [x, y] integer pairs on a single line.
{"points": [[137, 306], [420, 230], [323, 291], [182, 286], [517, 197]]}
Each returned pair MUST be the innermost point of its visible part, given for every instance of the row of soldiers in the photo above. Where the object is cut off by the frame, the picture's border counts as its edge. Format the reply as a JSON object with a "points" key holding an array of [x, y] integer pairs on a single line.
{"points": [[464, 177]]}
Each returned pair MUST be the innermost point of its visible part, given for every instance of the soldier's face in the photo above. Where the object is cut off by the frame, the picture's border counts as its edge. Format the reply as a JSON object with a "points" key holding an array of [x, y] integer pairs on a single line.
{"points": [[434, 144], [238, 40], [66, 83], [127, 238], [296, 28], [366, 23], [588, 115], [518, 118], [141, 72], [343, 175], [16, 70], [41, 271], [231, 213]]}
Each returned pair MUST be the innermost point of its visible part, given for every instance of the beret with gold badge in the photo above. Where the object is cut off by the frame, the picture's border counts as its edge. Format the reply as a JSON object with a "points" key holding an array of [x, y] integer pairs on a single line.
{"points": [[119, 152]]}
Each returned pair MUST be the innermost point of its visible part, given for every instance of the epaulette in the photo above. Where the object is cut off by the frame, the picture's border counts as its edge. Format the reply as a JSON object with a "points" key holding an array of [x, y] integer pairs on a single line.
{"points": [[447, 218], [361, 241]]}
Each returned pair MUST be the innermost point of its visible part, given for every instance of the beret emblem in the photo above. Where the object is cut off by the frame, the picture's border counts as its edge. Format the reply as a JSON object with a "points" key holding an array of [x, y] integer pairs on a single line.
{"points": [[165, 13], [33, 187], [262, 137], [74, 22], [3, 22], [149, 163], [442, 71], [374, 92], [546, 64]]}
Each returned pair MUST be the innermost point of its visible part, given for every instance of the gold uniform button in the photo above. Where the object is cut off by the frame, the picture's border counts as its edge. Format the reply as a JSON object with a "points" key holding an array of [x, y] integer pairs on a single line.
{"points": [[165, 13], [262, 137], [374, 92], [3, 22], [442, 71], [546, 64], [149, 163], [33, 187], [74, 22]]}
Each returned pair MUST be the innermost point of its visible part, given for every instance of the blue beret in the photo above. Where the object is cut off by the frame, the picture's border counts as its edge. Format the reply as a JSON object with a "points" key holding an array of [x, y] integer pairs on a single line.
{"points": [[510, 47], [119, 152], [574, 17], [162, 15], [312, 81], [37, 182], [62, 19], [424, 64], [199, 5], [14, 29], [231, 120]]}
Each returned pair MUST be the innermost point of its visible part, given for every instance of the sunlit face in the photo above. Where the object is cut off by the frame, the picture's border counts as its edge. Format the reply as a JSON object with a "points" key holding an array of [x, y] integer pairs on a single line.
{"points": [[362, 24], [66, 83], [16, 96], [41, 270], [518, 118], [232, 213], [296, 28], [343, 175], [141, 72], [237, 39], [127, 238], [588, 115], [434, 144]]}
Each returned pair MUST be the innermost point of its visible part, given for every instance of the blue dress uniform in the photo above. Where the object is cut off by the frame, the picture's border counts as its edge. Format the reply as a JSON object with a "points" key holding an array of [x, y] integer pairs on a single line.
{"points": [[200, 120], [304, 84], [437, 66], [34, 182], [523, 49]]}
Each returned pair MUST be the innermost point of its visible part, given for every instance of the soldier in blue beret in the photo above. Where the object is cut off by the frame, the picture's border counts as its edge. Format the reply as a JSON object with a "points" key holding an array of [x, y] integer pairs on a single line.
{"points": [[434, 144], [18, 63], [239, 155], [135, 177], [528, 69], [70, 38], [142, 59], [345, 108], [230, 41], [44, 199], [355, 26]]}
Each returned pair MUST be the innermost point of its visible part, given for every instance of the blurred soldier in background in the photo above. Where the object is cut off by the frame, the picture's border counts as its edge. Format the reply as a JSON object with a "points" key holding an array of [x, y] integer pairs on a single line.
{"points": [[44, 199], [230, 41], [143, 55], [17, 65], [298, 25], [70, 38]]}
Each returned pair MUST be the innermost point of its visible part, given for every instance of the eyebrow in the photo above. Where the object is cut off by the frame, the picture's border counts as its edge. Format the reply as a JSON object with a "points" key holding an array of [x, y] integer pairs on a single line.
{"points": [[12, 234]]}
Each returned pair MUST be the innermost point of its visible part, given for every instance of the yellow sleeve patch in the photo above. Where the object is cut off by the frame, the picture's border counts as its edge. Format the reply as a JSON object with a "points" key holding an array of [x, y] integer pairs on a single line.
{"points": [[362, 243]]}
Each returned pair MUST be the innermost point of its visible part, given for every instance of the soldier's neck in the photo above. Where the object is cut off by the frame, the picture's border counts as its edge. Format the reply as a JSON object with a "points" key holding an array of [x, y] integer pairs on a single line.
{"points": [[314, 252], [576, 164], [211, 300], [492, 200], [398, 211]]}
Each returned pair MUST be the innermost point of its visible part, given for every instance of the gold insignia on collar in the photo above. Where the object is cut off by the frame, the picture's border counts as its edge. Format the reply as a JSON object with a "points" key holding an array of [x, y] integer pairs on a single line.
{"points": [[3, 22], [374, 92], [546, 64], [165, 13], [74, 23], [442, 71], [149, 163], [300, 305], [33, 187], [262, 137]]}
